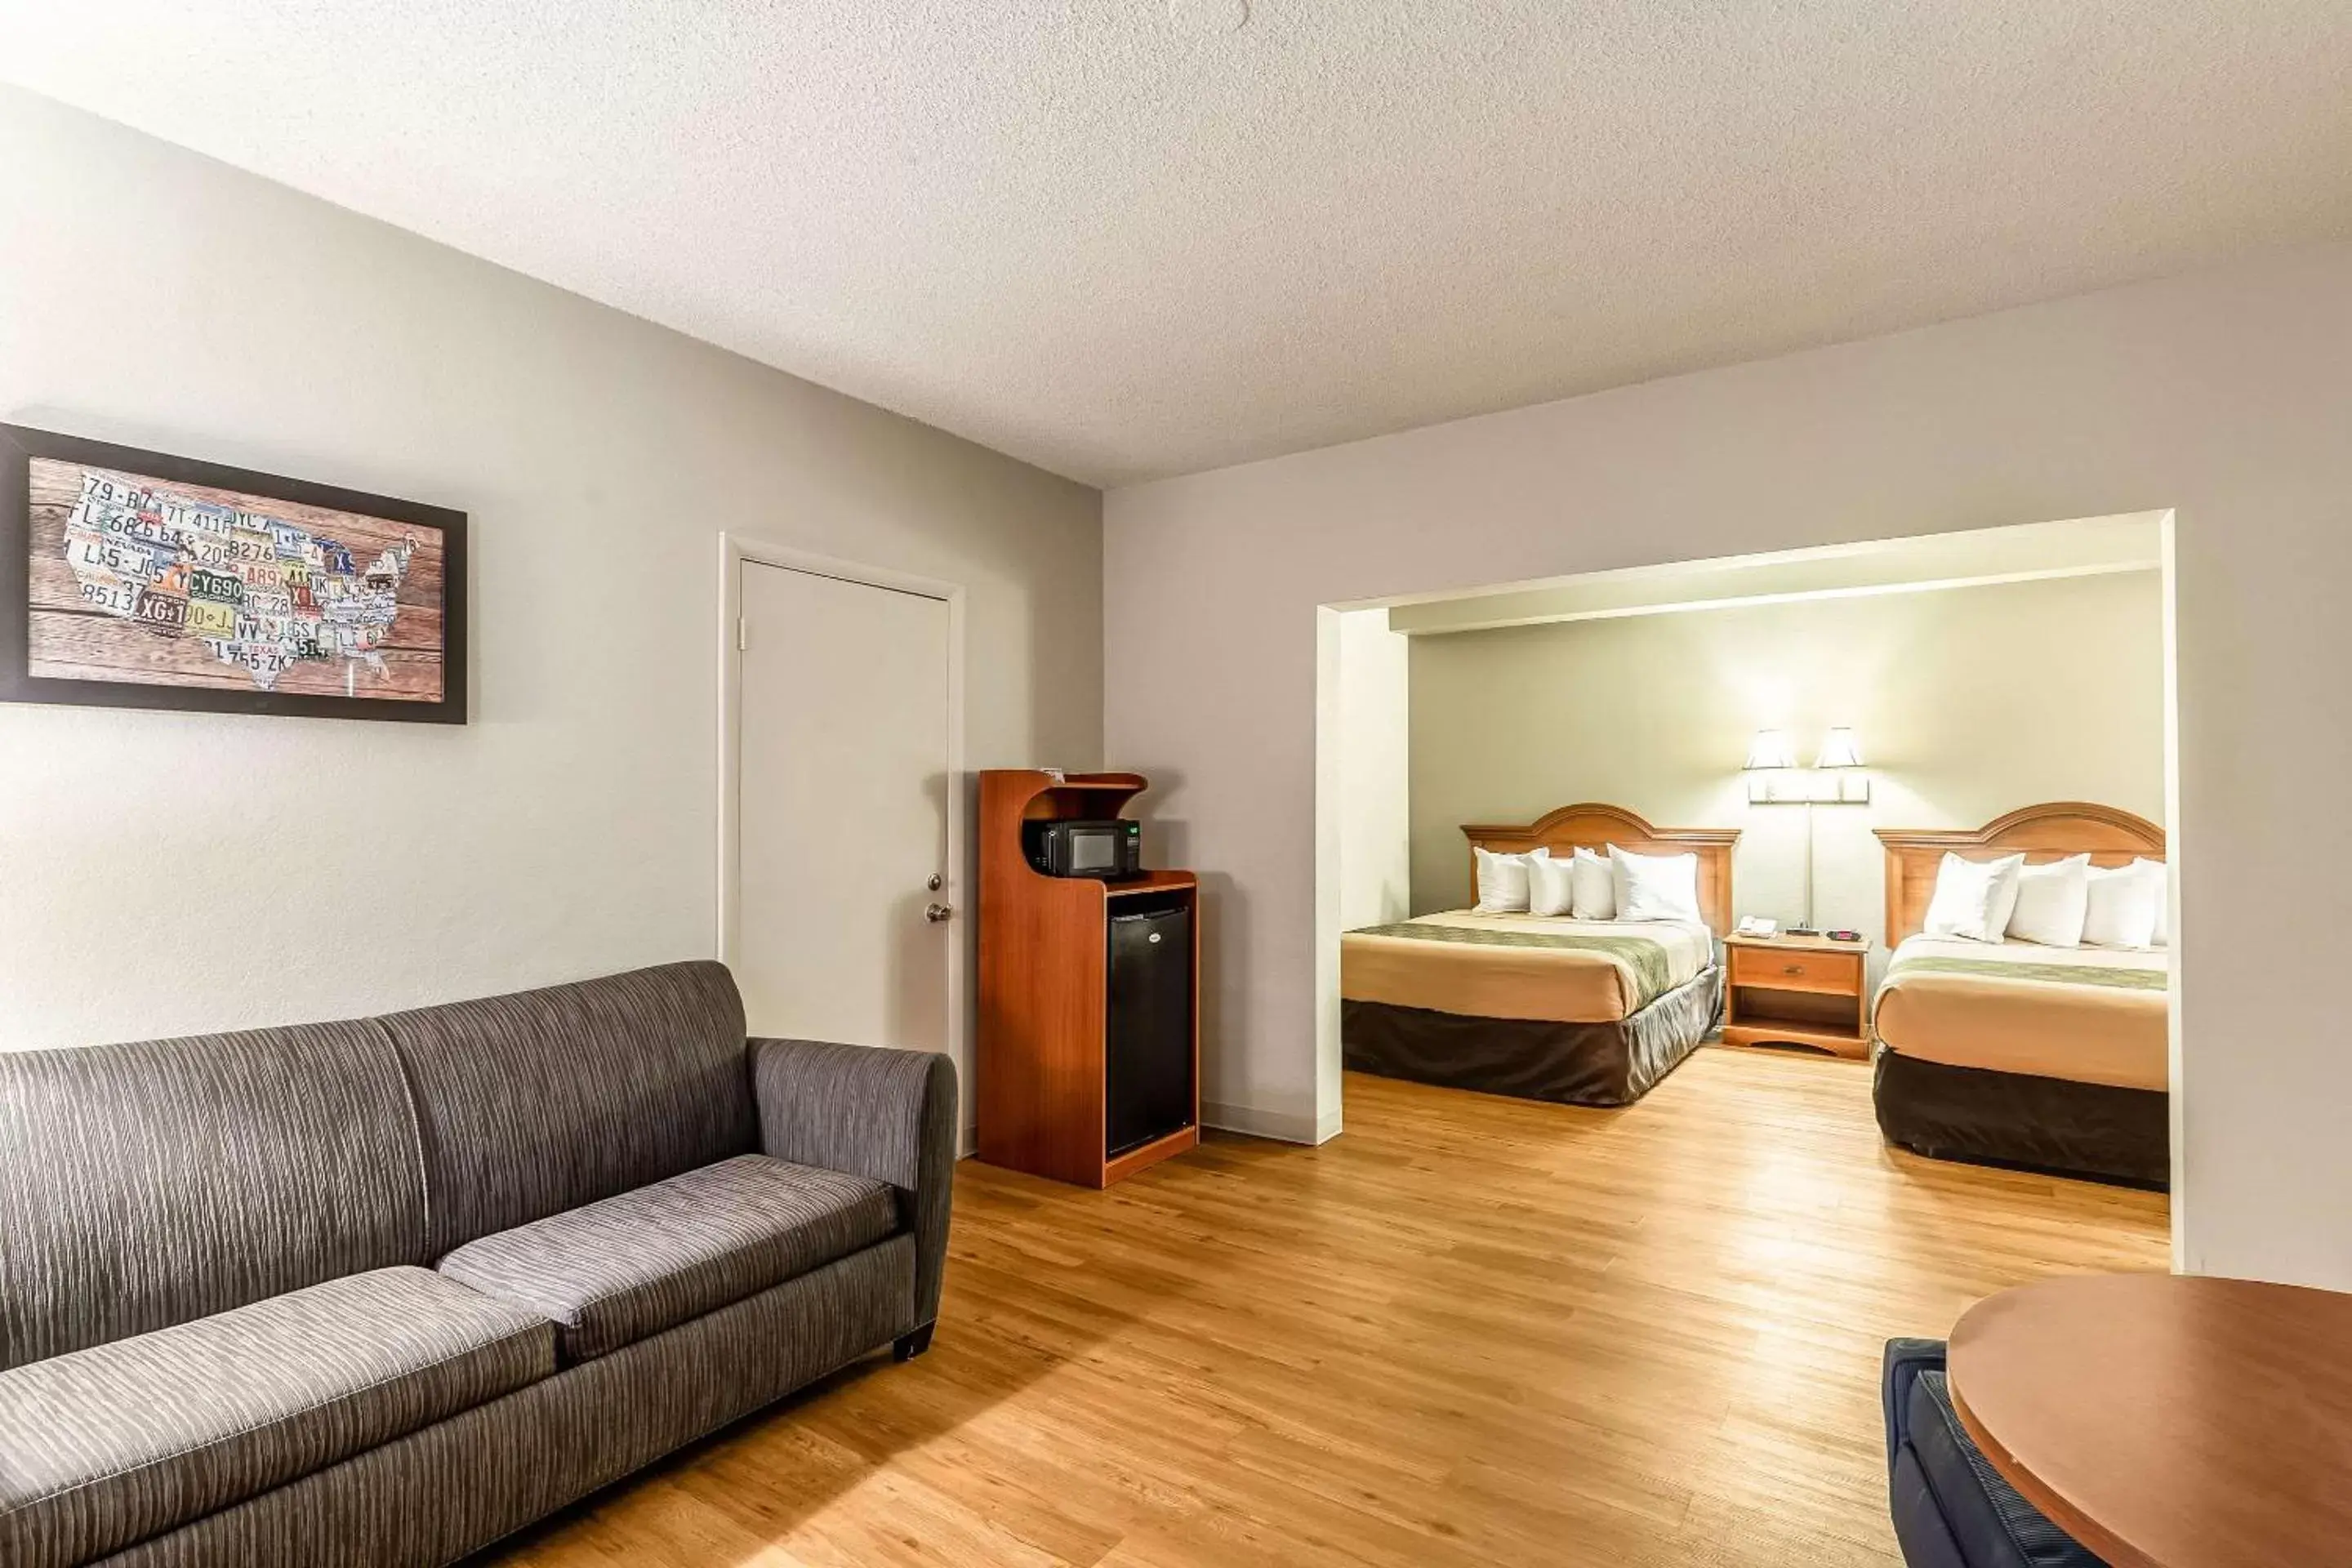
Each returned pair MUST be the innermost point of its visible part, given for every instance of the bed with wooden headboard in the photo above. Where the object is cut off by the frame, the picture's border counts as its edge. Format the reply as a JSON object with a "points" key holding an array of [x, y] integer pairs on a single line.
{"points": [[1543, 1008], [2014, 1053]]}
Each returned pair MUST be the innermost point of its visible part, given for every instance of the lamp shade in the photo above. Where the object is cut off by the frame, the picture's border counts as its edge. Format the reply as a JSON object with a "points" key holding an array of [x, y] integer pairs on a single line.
{"points": [[1769, 749], [1839, 749]]}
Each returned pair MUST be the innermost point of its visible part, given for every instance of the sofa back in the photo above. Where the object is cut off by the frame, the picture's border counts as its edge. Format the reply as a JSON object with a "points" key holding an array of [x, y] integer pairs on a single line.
{"points": [[531, 1104], [144, 1185]]}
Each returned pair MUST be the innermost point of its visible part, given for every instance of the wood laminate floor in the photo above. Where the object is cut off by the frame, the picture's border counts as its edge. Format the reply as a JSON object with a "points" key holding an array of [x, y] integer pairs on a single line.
{"points": [[1471, 1331]]}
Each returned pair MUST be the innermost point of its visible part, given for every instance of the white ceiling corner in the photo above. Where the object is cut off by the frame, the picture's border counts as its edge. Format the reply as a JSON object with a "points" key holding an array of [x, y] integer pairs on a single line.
{"points": [[1123, 239]]}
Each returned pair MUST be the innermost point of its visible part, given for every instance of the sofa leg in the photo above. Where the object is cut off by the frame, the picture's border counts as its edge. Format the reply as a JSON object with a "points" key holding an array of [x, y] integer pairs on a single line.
{"points": [[908, 1346]]}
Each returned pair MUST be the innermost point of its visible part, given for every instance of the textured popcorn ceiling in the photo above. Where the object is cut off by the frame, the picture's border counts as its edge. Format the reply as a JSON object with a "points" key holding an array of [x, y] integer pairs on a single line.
{"points": [[1123, 239]]}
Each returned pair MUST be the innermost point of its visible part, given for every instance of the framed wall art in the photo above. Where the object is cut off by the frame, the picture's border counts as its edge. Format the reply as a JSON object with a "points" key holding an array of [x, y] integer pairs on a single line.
{"points": [[131, 579]]}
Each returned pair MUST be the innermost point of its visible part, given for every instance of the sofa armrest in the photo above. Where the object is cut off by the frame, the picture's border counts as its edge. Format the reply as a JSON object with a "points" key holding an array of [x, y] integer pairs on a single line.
{"points": [[886, 1115], [1906, 1360]]}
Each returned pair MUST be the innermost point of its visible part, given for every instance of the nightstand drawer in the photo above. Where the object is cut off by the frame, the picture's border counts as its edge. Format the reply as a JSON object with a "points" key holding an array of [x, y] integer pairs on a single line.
{"points": [[1833, 973]]}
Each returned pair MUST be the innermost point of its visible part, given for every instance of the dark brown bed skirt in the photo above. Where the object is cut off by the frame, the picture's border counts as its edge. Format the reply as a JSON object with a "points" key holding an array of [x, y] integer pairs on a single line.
{"points": [[1569, 1064], [2093, 1130]]}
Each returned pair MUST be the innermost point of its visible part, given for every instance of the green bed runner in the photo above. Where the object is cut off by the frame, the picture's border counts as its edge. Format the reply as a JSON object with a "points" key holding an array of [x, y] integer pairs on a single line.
{"points": [[1646, 958], [2056, 973], [2005, 969]]}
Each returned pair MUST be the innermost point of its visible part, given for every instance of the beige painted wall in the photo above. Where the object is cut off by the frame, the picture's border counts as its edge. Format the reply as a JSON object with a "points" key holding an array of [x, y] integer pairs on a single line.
{"points": [[1967, 702], [2222, 395], [1375, 756], [164, 872]]}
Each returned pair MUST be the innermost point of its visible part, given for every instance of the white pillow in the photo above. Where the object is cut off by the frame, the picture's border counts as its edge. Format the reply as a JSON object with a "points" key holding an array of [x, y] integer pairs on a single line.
{"points": [[1503, 881], [2161, 875], [1550, 886], [2004, 901], [1655, 887], [1974, 899], [2053, 900], [1596, 886], [2125, 906]]}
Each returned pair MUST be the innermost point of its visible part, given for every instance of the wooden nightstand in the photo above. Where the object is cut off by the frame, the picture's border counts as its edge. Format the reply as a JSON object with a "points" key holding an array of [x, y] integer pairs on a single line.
{"points": [[1797, 991]]}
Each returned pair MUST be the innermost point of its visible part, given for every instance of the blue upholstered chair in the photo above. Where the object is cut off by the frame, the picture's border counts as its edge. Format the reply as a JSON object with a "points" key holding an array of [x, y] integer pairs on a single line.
{"points": [[1951, 1511]]}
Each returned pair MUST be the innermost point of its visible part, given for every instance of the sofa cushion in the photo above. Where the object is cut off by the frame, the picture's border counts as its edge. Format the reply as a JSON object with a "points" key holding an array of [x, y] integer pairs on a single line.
{"points": [[1991, 1524], [111, 1445], [531, 1104], [144, 1185], [614, 1272]]}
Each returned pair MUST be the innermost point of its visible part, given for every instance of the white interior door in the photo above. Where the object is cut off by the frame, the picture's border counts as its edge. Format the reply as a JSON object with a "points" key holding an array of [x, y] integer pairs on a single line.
{"points": [[843, 808]]}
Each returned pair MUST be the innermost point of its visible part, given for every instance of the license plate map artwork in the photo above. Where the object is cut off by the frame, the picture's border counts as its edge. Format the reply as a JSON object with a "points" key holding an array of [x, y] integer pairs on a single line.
{"points": [[148, 581], [262, 593]]}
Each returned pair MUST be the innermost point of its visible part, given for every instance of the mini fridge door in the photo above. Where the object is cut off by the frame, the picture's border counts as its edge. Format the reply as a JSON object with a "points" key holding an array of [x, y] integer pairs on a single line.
{"points": [[1147, 1037]]}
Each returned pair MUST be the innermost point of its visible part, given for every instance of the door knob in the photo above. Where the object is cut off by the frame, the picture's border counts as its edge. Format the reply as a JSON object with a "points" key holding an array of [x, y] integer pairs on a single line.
{"points": [[935, 913]]}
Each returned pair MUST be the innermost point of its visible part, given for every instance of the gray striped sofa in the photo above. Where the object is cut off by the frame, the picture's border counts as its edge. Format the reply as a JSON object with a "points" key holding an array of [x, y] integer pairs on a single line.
{"points": [[380, 1292]]}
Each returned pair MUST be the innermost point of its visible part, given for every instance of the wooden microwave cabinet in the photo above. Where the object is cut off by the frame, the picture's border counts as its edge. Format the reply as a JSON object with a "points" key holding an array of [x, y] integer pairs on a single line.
{"points": [[1089, 1052], [1796, 991]]}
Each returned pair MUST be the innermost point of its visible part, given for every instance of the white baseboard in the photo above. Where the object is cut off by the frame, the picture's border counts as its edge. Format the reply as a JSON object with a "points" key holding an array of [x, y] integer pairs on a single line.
{"points": [[1287, 1127], [1243, 1118]]}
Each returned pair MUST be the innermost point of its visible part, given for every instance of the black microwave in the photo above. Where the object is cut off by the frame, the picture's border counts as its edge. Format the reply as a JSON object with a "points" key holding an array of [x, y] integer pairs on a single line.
{"points": [[1110, 850]]}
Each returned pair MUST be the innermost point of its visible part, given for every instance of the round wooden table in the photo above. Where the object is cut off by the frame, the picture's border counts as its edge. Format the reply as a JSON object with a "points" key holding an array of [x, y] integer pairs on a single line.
{"points": [[2168, 1422]]}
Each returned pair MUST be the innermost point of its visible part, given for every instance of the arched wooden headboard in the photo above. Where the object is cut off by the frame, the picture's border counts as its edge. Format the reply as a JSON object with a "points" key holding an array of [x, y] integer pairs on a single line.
{"points": [[1592, 825], [2049, 832]]}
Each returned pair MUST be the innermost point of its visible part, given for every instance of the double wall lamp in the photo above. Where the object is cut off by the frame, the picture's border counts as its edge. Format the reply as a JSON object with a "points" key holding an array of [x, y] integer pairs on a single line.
{"points": [[1835, 779], [1775, 778]]}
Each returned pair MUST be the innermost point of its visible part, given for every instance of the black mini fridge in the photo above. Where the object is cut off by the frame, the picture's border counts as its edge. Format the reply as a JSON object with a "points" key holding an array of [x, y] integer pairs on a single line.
{"points": [[1147, 1037]]}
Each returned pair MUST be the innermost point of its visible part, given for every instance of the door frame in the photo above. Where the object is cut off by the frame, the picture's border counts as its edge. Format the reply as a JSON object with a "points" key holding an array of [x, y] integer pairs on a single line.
{"points": [[735, 551]]}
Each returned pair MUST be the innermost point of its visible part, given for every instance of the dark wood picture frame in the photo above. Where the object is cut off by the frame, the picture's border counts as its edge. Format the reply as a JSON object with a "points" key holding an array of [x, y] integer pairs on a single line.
{"points": [[20, 446]]}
